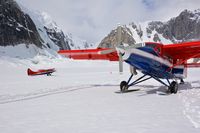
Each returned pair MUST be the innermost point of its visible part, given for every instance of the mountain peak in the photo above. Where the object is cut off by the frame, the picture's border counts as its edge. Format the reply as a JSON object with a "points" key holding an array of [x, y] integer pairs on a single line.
{"points": [[184, 27], [32, 31], [48, 21]]}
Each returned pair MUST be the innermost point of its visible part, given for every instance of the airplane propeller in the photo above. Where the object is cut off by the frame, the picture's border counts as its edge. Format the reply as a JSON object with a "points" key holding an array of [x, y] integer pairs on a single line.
{"points": [[120, 48], [122, 53], [119, 54], [120, 62], [120, 44]]}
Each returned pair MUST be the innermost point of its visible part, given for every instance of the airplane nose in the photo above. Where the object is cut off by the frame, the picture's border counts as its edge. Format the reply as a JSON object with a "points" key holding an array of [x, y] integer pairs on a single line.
{"points": [[122, 52]]}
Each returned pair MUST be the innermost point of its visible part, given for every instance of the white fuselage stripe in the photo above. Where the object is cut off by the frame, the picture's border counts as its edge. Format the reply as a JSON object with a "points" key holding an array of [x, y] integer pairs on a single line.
{"points": [[148, 55]]}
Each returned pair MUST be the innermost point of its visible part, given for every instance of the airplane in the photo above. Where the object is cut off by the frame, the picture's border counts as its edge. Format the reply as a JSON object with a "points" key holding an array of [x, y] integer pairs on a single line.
{"points": [[158, 61], [47, 72], [155, 60]]}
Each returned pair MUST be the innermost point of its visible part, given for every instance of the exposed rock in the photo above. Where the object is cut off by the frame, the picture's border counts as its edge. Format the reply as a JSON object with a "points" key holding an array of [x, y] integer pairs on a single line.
{"points": [[185, 27], [111, 40], [19, 25], [16, 27], [58, 38]]}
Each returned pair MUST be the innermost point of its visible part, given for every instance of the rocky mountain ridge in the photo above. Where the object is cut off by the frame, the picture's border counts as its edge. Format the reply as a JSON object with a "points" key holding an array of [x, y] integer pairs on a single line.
{"points": [[19, 25], [16, 26], [183, 28]]}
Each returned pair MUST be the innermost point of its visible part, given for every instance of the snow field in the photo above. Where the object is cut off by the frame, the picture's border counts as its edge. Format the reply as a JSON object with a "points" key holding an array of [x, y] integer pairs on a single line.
{"points": [[82, 97], [191, 97]]}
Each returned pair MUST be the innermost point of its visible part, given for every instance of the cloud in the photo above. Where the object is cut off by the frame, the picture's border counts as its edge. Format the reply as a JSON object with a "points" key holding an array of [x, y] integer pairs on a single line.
{"points": [[94, 19], [164, 10]]}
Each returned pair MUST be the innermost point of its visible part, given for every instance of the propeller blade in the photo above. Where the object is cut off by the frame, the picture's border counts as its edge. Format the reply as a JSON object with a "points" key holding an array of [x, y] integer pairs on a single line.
{"points": [[119, 43], [107, 51], [120, 63]]}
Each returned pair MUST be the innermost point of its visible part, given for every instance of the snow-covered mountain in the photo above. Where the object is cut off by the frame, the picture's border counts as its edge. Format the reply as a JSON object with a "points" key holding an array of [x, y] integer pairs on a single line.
{"points": [[182, 28], [31, 32], [77, 43], [44, 22]]}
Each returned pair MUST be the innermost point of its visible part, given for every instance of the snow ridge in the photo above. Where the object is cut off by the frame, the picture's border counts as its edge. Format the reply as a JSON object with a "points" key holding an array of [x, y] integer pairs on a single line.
{"points": [[43, 19]]}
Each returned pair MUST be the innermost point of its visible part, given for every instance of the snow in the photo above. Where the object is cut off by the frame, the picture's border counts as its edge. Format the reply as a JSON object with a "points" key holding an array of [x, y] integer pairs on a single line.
{"points": [[135, 34], [77, 43], [82, 97], [22, 51], [163, 40], [146, 37], [191, 100], [48, 21], [42, 20], [26, 51], [196, 14]]}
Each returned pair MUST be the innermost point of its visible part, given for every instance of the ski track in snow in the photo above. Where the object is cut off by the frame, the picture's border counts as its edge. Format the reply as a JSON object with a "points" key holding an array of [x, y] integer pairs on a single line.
{"points": [[191, 99], [40, 93], [4, 99]]}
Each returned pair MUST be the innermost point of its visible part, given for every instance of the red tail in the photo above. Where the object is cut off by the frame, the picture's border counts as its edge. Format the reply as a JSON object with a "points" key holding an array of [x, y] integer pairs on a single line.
{"points": [[30, 72]]}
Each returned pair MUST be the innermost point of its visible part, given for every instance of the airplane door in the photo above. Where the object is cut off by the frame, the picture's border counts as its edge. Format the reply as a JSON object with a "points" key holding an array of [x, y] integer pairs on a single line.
{"points": [[157, 66]]}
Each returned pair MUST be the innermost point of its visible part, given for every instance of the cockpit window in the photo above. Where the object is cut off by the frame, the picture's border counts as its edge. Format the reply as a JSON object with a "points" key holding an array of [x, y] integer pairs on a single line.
{"points": [[151, 45], [139, 44], [155, 46]]}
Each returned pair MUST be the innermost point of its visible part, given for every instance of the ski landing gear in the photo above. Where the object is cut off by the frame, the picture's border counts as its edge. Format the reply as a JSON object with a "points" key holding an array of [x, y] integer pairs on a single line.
{"points": [[125, 85], [172, 87]]}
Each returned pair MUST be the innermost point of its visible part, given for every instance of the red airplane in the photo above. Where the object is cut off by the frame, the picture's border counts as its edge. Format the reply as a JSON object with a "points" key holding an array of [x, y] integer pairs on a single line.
{"points": [[47, 72], [155, 60]]}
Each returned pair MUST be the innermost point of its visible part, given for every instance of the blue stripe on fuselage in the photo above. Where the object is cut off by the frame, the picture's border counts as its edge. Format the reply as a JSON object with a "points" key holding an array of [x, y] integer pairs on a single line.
{"points": [[152, 67]]}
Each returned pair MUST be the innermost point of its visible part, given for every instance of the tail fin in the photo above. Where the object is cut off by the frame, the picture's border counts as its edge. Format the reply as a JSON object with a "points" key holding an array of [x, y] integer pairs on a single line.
{"points": [[29, 72]]}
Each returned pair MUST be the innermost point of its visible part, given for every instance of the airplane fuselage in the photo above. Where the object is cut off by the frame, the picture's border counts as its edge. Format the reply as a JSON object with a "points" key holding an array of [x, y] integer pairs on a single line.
{"points": [[149, 62]]}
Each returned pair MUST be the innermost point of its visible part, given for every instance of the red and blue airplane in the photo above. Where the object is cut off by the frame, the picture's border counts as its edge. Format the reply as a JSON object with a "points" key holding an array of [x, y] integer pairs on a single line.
{"points": [[154, 60]]}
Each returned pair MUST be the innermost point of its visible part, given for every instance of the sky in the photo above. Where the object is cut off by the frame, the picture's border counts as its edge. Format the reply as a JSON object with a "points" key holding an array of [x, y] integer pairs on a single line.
{"points": [[92, 20]]}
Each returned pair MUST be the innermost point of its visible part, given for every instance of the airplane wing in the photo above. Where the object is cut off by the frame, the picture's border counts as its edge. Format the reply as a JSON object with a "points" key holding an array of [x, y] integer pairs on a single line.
{"points": [[182, 52], [91, 54]]}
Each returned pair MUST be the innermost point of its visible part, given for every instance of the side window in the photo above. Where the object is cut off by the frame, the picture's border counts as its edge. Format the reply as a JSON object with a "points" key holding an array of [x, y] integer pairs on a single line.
{"points": [[158, 50]]}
